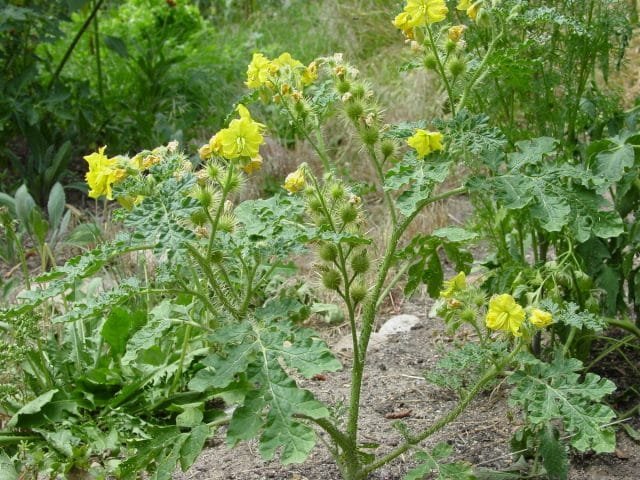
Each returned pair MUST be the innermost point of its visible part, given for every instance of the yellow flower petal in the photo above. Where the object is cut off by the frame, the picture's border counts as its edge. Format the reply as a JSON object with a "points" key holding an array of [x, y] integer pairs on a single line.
{"points": [[540, 318], [505, 314], [295, 181]]}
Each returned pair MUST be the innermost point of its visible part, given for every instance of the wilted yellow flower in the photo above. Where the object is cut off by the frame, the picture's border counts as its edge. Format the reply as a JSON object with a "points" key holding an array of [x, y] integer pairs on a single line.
{"points": [[204, 151], [425, 142], [425, 12], [254, 165], [540, 318], [455, 32], [103, 173], [472, 11], [295, 181], [242, 138], [286, 60], [310, 74], [258, 71], [457, 283], [149, 161], [505, 314]]}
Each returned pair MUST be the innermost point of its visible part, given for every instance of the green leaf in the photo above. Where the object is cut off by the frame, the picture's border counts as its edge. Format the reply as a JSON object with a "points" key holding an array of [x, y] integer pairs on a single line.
{"points": [[554, 455], [550, 392], [531, 152], [115, 44], [441, 471], [193, 446], [118, 328], [24, 205], [612, 164], [191, 415], [55, 205], [31, 409], [455, 234], [7, 469]]}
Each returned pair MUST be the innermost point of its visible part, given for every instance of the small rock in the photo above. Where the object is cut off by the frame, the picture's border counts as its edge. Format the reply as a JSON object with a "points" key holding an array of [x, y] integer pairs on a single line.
{"points": [[399, 324]]}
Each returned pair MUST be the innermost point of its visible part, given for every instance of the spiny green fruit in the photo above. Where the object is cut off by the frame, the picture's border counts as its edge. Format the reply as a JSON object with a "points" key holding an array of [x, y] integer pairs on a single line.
{"points": [[369, 135], [337, 191], [328, 252], [430, 62], [359, 91], [315, 205], [468, 315], [227, 223], [216, 256], [360, 263], [199, 217], [354, 110], [387, 148], [348, 213], [331, 279], [343, 86], [358, 292], [456, 66], [204, 197]]}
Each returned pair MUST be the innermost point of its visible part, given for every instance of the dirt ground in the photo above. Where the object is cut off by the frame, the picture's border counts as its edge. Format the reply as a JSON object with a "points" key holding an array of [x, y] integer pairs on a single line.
{"points": [[394, 383]]}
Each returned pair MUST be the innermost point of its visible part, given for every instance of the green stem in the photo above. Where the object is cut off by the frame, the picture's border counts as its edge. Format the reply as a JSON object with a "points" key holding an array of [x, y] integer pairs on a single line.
{"points": [[370, 309], [387, 196], [326, 164], [74, 42], [445, 420], [569, 341], [479, 73], [442, 72], [394, 281], [183, 354], [625, 325], [214, 221], [96, 37]]}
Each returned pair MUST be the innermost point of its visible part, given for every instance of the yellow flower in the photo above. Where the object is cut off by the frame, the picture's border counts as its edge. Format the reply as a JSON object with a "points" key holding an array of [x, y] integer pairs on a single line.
{"points": [[472, 11], [540, 318], [286, 60], [254, 165], [103, 173], [457, 283], [425, 142], [463, 4], [505, 314], [455, 32], [402, 22], [242, 138], [425, 12], [149, 161], [258, 71], [295, 181], [310, 74]]}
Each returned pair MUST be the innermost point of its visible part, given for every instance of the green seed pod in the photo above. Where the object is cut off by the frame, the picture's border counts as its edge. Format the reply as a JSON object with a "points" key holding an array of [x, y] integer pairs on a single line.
{"points": [[430, 62], [331, 279], [337, 191], [369, 135], [348, 213], [360, 263], [213, 171], [358, 292], [354, 111], [343, 86], [328, 252], [456, 67], [387, 148]]}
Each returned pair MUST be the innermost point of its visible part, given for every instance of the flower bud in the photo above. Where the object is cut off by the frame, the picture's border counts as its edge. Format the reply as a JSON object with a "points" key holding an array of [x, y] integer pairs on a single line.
{"points": [[387, 148], [468, 315], [359, 91], [199, 217]]}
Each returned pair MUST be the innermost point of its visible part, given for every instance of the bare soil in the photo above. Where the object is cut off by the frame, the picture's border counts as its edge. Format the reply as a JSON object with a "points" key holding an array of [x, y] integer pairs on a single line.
{"points": [[394, 384]]}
